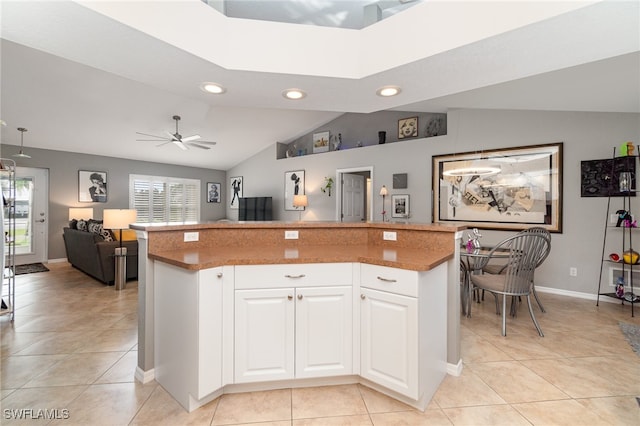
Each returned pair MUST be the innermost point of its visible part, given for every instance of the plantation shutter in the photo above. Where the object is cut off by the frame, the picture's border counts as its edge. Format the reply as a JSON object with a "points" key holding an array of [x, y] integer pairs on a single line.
{"points": [[159, 199]]}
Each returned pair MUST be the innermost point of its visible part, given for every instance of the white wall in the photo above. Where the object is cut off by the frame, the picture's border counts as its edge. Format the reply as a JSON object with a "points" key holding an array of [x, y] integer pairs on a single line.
{"points": [[586, 136]]}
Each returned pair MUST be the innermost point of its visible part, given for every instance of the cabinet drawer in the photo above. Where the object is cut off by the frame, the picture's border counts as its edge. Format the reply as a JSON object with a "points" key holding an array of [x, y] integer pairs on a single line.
{"points": [[293, 275], [392, 280]]}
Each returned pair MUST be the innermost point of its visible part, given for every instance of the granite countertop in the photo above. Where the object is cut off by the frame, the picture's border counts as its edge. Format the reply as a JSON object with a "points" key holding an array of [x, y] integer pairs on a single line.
{"points": [[404, 258]]}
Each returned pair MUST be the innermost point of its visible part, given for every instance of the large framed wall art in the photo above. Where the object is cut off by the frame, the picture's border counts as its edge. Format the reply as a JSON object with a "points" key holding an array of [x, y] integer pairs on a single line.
{"points": [[507, 189]]}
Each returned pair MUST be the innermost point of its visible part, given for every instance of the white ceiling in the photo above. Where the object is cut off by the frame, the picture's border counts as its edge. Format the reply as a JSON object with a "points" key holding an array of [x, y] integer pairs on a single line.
{"points": [[86, 76]]}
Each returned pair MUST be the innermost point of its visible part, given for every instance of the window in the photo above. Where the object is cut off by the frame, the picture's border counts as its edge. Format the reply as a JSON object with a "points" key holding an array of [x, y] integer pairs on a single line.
{"points": [[161, 199]]}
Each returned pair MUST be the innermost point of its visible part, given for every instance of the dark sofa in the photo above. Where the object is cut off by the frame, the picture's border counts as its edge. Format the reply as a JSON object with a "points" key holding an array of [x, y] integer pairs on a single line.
{"points": [[91, 254]]}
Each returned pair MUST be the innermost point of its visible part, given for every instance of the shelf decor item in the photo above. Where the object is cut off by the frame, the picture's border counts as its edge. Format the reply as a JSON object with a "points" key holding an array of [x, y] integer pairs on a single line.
{"points": [[320, 142], [408, 128], [630, 257]]}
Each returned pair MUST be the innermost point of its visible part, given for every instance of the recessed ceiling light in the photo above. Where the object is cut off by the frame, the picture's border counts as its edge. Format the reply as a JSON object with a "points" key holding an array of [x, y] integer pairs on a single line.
{"points": [[214, 88], [388, 91], [294, 94]]}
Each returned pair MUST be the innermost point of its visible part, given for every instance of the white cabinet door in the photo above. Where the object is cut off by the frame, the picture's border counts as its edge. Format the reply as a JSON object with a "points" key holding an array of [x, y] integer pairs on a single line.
{"points": [[264, 333], [324, 329], [389, 340]]}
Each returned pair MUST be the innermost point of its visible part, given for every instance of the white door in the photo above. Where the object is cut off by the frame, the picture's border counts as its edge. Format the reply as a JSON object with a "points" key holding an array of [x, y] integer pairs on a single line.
{"points": [[324, 329], [389, 340], [32, 201], [353, 190], [264, 333]]}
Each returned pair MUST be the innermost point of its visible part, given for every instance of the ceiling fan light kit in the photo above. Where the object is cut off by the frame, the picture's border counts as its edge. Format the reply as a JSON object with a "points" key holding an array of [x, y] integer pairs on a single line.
{"points": [[21, 154], [177, 139]]}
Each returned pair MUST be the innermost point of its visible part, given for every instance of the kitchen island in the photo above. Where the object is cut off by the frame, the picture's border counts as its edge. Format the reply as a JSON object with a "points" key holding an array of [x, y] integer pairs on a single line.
{"points": [[263, 305]]}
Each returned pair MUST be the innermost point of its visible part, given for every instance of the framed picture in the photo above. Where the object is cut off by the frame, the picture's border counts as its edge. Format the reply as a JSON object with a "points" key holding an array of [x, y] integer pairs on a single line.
{"points": [[235, 189], [293, 185], [213, 192], [400, 206], [400, 181], [507, 189], [408, 128], [601, 178], [92, 186], [320, 142]]}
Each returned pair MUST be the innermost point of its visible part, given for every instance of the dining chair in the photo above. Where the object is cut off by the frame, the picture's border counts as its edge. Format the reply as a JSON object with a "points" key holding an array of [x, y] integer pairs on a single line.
{"points": [[525, 250], [498, 268]]}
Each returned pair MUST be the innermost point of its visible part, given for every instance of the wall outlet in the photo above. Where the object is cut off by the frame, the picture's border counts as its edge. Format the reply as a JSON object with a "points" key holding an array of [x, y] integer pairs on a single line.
{"points": [[290, 235], [573, 272], [191, 236], [389, 236]]}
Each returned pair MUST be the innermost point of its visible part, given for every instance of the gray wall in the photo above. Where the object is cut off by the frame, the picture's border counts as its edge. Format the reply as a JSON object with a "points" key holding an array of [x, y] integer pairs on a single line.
{"points": [[586, 136], [63, 185]]}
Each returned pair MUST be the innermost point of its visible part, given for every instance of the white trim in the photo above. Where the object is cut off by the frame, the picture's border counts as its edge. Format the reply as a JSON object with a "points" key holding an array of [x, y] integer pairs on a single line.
{"points": [[144, 377], [454, 369], [576, 294]]}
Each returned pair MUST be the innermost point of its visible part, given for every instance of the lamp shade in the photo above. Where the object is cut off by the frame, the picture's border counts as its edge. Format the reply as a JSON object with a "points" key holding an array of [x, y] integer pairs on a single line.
{"points": [[300, 201], [118, 218], [84, 213], [383, 191]]}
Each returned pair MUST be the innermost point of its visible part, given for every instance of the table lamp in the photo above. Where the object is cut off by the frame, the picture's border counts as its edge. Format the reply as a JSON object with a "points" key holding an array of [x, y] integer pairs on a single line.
{"points": [[383, 192], [84, 213], [119, 219], [300, 201]]}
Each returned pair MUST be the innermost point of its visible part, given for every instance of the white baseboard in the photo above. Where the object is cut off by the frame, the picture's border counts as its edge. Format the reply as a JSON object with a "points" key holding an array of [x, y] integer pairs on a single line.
{"points": [[454, 369], [144, 376], [576, 294]]}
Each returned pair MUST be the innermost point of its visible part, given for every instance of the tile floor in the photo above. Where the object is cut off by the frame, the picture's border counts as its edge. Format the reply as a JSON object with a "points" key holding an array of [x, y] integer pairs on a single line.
{"points": [[73, 347]]}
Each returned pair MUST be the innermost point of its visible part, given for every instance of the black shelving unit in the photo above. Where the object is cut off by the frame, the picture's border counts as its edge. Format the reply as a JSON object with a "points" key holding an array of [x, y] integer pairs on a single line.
{"points": [[627, 232]]}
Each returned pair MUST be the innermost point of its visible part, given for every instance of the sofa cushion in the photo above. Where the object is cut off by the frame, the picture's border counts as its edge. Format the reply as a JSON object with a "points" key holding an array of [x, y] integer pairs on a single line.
{"points": [[96, 227]]}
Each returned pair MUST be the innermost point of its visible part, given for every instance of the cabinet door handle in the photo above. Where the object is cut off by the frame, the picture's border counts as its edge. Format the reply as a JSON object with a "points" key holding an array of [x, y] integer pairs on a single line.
{"points": [[219, 275], [387, 280], [299, 297], [290, 297], [362, 296], [295, 276]]}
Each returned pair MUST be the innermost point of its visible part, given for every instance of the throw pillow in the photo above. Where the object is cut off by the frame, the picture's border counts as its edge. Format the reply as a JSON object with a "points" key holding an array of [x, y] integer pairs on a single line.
{"points": [[82, 225], [96, 227], [73, 224]]}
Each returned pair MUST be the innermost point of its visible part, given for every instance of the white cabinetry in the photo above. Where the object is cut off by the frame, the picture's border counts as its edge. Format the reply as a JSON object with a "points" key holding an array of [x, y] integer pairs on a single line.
{"points": [[402, 332], [188, 324], [293, 321]]}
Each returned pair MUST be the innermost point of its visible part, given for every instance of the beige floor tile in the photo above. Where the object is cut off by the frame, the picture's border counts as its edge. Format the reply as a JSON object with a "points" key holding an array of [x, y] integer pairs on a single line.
{"points": [[465, 391], [326, 401], [6, 392], [42, 323], [58, 342], [76, 369], [280, 423], [111, 340], [589, 377], [13, 342], [520, 347], [359, 420], [123, 371], [253, 407], [497, 415], [411, 418], [479, 349], [107, 404], [380, 403], [18, 370], [621, 410], [162, 409], [561, 413], [516, 383], [53, 399]]}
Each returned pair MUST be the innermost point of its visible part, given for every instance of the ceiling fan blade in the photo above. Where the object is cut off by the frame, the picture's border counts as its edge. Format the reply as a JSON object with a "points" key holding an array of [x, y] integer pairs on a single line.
{"points": [[172, 136], [197, 145], [206, 142], [153, 136], [180, 145], [163, 144], [190, 138]]}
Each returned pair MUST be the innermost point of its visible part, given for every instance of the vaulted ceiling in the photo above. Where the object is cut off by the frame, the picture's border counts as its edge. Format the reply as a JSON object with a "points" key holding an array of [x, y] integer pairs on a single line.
{"points": [[86, 76]]}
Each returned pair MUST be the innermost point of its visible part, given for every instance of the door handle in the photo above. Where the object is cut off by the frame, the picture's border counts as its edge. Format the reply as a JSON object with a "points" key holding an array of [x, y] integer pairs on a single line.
{"points": [[387, 280], [294, 276], [41, 220]]}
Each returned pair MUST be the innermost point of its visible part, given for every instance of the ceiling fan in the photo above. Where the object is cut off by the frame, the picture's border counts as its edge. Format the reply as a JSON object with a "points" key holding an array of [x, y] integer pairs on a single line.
{"points": [[177, 139]]}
